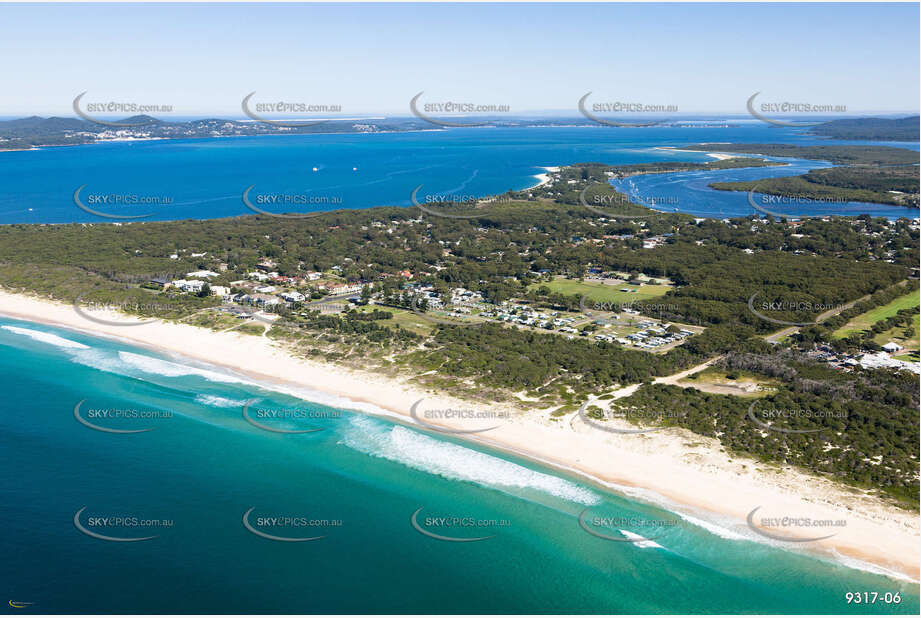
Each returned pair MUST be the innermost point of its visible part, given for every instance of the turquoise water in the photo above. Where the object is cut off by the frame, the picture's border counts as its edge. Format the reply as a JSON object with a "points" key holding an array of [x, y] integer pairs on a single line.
{"points": [[201, 469], [205, 178]]}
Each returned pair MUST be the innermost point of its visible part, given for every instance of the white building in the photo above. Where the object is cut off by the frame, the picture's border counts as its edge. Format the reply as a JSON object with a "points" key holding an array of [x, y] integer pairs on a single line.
{"points": [[882, 359], [345, 288], [293, 297], [192, 286]]}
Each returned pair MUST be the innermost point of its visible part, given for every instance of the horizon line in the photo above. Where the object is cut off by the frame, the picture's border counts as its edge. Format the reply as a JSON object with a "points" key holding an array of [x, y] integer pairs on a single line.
{"points": [[561, 114]]}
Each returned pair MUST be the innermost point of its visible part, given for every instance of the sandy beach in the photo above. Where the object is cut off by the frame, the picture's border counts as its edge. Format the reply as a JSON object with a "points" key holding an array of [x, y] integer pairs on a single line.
{"points": [[673, 467], [716, 155], [544, 178]]}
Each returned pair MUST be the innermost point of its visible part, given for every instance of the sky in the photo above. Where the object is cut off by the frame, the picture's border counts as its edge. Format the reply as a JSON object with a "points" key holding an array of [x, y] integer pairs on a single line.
{"points": [[202, 59]]}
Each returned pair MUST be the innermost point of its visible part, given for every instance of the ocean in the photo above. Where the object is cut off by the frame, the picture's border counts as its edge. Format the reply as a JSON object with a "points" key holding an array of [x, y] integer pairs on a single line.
{"points": [[206, 178], [211, 486]]}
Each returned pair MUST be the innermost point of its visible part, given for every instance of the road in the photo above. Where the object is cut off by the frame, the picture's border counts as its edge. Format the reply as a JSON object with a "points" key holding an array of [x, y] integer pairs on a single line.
{"points": [[673, 379], [775, 337]]}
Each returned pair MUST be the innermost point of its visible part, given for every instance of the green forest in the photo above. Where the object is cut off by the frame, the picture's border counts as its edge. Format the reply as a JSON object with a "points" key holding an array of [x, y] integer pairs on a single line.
{"points": [[510, 245]]}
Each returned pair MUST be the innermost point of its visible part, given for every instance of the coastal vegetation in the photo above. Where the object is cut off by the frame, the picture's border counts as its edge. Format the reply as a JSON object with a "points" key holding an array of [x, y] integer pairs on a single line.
{"points": [[894, 323], [660, 167], [878, 129], [870, 318], [881, 185], [26, 133], [862, 325], [858, 429], [876, 174], [544, 246]]}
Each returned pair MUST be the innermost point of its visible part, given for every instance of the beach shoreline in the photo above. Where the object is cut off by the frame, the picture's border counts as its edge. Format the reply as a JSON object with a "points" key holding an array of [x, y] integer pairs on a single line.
{"points": [[544, 178], [719, 156], [674, 468]]}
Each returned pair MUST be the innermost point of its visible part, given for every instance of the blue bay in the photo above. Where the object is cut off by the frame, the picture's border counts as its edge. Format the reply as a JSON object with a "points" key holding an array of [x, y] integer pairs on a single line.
{"points": [[205, 178]]}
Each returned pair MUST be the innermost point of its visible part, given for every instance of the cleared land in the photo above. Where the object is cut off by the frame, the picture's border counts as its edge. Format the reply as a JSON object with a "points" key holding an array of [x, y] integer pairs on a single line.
{"points": [[605, 292], [738, 383], [401, 317], [865, 320], [897, 335]]}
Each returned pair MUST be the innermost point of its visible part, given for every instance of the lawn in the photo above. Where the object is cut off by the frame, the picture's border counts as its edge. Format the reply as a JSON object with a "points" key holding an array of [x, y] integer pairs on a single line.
{"points": [[407, 319], [865, 320], [604, 293], [897, 334], [401, 317]]}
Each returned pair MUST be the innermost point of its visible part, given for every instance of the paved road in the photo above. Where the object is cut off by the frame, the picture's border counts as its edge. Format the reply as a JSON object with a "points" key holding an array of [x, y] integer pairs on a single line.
{"points": [[331, 299]]}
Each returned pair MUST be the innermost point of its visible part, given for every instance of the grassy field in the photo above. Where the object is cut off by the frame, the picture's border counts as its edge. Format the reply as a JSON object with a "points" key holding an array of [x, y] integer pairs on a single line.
{"points": [[213, 320], [407, 319], [866, 320], [897, 335], [603, 293], [401, 317]]}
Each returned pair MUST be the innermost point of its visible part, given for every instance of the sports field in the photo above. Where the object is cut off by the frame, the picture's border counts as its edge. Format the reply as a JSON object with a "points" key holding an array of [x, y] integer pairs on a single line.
{"points": [[605, 293]]}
